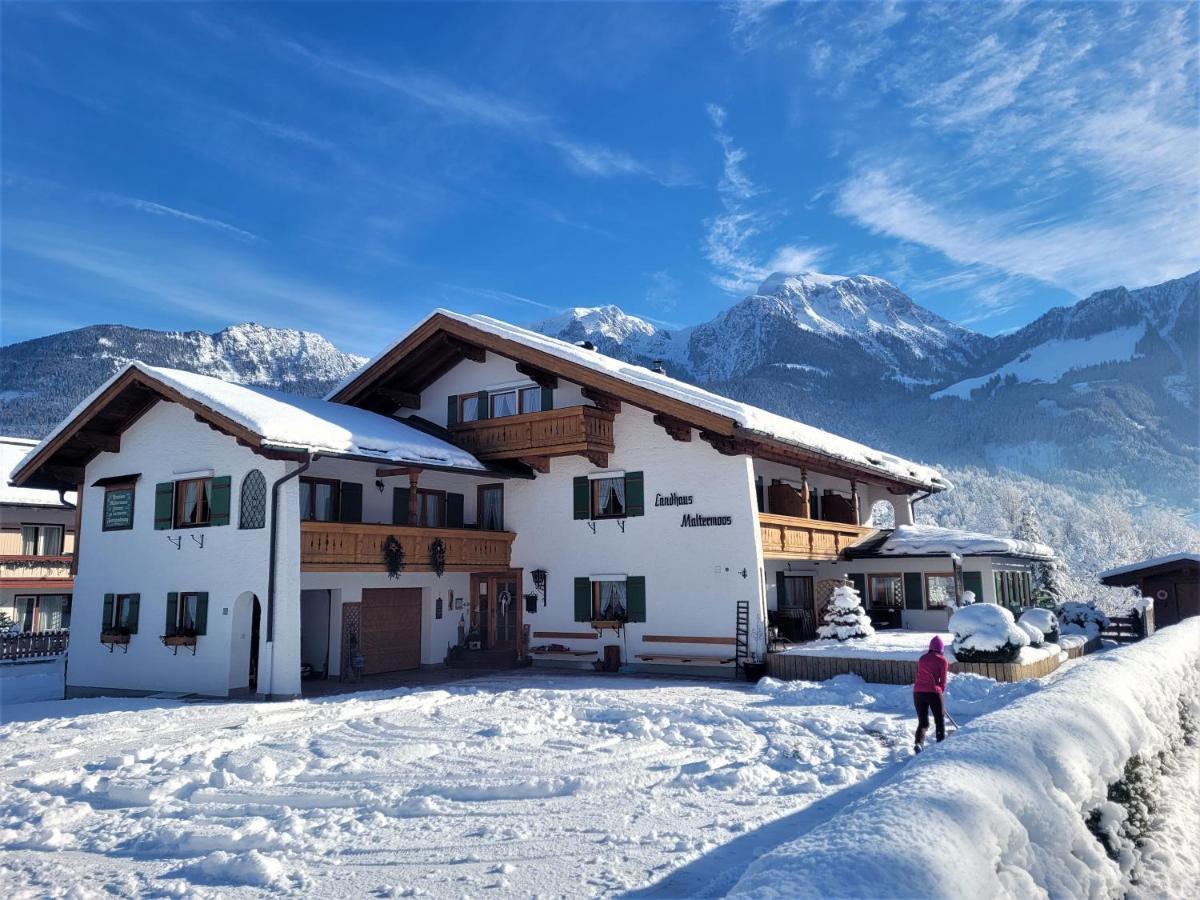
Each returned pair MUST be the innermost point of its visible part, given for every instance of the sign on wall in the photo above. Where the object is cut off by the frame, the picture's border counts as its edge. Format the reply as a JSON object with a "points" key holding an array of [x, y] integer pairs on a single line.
{"points": [[118, 509]]}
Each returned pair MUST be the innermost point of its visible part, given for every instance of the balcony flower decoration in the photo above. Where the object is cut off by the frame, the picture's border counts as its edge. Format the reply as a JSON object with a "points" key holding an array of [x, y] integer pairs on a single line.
{"points": [[437, 556], [393, 556]]}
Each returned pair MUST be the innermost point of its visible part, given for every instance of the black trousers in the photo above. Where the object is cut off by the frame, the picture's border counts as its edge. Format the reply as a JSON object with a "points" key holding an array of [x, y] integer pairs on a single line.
{"points": [[926, 701]]}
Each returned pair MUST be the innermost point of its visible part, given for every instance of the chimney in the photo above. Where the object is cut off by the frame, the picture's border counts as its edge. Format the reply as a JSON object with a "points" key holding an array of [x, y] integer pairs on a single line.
{"points": [[656, 365], [586, 345]]}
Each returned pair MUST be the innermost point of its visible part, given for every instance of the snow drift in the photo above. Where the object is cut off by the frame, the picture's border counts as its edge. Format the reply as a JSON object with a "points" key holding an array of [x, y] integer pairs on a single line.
{"points": [[1001, 809]]}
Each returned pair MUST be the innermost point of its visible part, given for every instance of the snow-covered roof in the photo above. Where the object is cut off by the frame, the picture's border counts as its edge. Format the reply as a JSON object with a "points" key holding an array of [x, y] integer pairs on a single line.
{"points": [[930, 540], [1151, 564], [750, 419], [292, 422], [12, 451]]}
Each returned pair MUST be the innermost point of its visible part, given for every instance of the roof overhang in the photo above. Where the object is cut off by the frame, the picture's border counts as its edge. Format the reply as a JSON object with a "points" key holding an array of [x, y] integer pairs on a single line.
{"points": [[1132, 575], [397, 376]]}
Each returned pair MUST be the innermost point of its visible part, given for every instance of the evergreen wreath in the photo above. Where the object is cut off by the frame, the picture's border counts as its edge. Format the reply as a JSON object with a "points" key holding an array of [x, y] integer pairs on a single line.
{"points": [[393, 556], [437, 556]]}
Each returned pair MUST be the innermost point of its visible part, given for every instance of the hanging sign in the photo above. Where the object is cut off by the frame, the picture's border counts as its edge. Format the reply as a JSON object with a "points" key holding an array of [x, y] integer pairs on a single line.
{"points": [[118, 509]]}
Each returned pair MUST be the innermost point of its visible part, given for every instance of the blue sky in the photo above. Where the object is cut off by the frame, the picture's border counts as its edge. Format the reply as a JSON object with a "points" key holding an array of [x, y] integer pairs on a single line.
{"points": [[345, 168]]}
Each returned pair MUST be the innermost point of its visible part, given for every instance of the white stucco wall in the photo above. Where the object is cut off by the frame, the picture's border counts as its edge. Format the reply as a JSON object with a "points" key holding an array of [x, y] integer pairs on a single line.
{"points": [[162, 444]]}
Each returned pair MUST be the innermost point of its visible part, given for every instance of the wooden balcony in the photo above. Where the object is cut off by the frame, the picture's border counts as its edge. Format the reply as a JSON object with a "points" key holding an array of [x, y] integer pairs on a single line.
{"points": [[23, 572], [348, 547], [583, 430], [790, 537]]}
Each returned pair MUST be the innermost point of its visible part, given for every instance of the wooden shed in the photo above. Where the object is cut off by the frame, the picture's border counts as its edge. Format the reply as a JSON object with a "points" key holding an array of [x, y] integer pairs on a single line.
{"points": [[1172, 581]]}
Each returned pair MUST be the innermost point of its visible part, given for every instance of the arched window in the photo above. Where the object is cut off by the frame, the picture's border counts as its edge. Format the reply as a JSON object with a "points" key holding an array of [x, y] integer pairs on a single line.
{"points": [[253, 501], [883, 514]]}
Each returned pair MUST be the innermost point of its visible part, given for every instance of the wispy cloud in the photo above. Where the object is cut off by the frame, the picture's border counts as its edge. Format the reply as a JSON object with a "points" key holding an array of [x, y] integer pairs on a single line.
{"points": [[504, 297], [159, 209], [730, 238]]}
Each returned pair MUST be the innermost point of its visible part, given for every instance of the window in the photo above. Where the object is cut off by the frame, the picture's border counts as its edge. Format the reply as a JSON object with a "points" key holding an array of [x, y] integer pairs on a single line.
{"points": [[187, 613], [253, 500], [431, 507], [608, 497], [886, 592], [504, 403], [120, 613], [609, 600], [189, 606], [193, 502], [318, 500], [939, 591], [42, 540], [531, 399], [491, 507], [797, 592], [118, 507], [469, 408], [42, 612], [512, 401]]}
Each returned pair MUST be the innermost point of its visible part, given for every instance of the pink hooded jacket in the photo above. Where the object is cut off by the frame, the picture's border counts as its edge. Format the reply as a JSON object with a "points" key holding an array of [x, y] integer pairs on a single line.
{"points": [[932, 669]]}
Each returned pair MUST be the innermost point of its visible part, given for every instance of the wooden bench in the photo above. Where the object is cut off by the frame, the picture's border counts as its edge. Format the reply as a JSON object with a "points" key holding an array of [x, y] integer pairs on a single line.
{"points": [[563, 654], [685, 658]]}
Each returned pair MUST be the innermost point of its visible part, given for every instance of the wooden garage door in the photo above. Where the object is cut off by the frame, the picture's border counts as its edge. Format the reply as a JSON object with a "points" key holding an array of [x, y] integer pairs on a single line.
{"points": [[391, 629]]}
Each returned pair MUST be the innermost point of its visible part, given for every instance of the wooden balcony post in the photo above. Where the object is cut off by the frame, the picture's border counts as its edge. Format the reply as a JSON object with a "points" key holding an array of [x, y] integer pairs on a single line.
{"points": [[414, 476], [805, 508], [854, 502]]}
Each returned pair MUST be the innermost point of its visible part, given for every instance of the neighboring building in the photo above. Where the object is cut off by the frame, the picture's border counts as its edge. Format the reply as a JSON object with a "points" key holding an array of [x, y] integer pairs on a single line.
{"points": [[37, 539], [1172, 581], [530, 493]]}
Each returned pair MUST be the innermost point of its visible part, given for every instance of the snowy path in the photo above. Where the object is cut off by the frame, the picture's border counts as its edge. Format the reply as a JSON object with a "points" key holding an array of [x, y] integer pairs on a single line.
{"points": [[523, 785]]}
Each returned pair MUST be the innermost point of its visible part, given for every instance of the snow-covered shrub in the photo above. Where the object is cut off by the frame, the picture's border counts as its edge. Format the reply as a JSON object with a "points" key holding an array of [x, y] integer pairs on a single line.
{"points": [[844, 616], [985, 632], [1036, 638], [1044, 621], [1081, 618]]}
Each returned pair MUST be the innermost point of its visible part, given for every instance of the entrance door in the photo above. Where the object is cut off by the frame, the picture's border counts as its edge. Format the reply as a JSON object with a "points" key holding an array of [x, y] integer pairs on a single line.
{"points": [[255, 619], [496, 610], [390, 637]]}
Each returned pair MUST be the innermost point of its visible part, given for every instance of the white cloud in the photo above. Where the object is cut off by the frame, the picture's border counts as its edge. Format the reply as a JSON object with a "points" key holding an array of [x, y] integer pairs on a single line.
{"points": [[159, 209]]}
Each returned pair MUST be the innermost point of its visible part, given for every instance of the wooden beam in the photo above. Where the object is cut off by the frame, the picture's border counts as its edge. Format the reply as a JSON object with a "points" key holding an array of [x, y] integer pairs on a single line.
{"points": [[606, 402], [537, 463], [72, 475], [678, 429], [110, 443], [597, 458], [390, 471], [466, 349], [406, 399], [726, 446], [540, 377]]}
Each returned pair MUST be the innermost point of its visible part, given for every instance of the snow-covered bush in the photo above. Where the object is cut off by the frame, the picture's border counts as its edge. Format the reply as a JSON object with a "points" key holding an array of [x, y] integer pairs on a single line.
{"points": [[844, 616], [1036, 638], [968, 597], [985, 632], [1081, 618], [1044, 621]]}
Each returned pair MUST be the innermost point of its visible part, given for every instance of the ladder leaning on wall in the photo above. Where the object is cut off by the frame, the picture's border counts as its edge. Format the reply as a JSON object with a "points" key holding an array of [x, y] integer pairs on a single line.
{"points": [[742, 637]]}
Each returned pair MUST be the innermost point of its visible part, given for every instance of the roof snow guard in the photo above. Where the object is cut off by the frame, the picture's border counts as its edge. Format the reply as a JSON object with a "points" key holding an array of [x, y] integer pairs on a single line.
{"points": [[929, 540], [274, 424], [445, 338]]}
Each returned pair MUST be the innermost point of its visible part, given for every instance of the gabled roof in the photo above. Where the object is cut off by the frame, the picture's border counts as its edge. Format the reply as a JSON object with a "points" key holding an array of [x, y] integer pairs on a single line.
{"points": [[1129, 574], [12, 451], [272, 423], [930, 540], [445, 338]]}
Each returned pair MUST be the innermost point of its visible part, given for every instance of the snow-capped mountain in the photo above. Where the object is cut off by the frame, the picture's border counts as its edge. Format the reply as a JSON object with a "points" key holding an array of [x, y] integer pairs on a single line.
{"points": [[44, 378]]}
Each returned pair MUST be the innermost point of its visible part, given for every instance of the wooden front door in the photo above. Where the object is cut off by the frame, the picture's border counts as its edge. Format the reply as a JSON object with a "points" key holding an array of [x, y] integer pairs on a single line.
{"points": [[496, 609], [390, 635]]}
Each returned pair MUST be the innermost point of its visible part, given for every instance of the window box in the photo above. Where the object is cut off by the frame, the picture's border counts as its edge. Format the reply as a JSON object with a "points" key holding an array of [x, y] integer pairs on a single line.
{"points": [[614, 624], [179, 640], [114, 636]]}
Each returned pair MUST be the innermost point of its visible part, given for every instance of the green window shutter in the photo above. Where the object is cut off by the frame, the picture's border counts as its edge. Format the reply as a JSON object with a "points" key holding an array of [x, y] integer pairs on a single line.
{"points": [[547, 398], [635, 494], [399, 506], [452, 410], [973, 581], [484, 412], [134, 603], [860, 585], [780, 588], [107, 621], [454, 510], [164, 505], [583, 497], [914, 591], [219, 499], [350, 502], [635, 598], [583, 600], [202, 613], [172, 612]]}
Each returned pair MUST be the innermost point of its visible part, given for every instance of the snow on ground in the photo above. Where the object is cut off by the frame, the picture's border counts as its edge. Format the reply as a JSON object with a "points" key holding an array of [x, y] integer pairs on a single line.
{"points": [[517, 785], [25, 682], [1001, 809], [901, 644]]}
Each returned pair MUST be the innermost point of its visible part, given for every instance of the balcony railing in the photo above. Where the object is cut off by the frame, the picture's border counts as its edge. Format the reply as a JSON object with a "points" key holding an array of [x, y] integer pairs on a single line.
{"points": [[554, 432], [24, 571], [344, 547], [790, 537]]}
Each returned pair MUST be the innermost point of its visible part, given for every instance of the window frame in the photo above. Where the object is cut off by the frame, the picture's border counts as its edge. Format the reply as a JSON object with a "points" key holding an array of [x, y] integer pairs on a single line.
{"points": [[479, 505], [598, 600], [871, 578], [40, 528], [130, 486], [928, 594], [440, 495], [788, 576], [120, 605], [594, 499], [180, 608], [335, 486], [462, 407], [181, 492]]}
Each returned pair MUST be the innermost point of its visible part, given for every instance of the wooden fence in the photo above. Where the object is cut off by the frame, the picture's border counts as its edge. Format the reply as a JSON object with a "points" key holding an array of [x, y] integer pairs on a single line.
{"points": [[31, 644], [793, 667], [1127, 629]]}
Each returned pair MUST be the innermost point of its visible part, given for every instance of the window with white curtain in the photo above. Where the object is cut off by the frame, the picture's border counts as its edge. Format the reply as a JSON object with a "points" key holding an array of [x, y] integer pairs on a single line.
{"points": [[608, 600], [470, 408], [491, 507], [504, 403], [42, 540], [608, 497]]}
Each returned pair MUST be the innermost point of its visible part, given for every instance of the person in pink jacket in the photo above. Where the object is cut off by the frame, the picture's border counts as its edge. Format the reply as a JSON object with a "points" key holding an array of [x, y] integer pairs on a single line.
{"points": [[928, 690]]}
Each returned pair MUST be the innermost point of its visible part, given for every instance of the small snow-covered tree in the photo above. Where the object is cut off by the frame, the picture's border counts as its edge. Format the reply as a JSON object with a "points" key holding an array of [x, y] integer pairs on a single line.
{"points": [[1048, 575], [844, 616]]}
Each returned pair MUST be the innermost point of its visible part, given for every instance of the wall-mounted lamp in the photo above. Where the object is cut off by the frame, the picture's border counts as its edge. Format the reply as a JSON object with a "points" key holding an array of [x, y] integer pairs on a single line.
{"points": [[379, 485]]}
